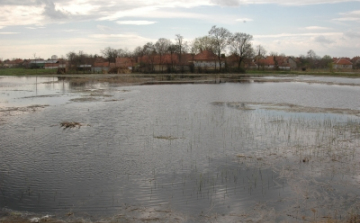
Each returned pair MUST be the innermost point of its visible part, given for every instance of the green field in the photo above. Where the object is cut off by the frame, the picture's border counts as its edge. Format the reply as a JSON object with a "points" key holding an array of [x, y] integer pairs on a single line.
{"points": [[24, 71]]}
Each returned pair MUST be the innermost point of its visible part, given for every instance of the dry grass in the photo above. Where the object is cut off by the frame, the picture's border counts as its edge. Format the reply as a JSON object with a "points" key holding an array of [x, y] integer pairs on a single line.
{"points": [[70, 125], [85, 99], [165, 137]]}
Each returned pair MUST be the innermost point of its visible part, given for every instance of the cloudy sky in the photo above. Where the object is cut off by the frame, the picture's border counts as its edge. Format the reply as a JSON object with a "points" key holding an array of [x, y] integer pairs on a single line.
{"points": [[292, 27]]}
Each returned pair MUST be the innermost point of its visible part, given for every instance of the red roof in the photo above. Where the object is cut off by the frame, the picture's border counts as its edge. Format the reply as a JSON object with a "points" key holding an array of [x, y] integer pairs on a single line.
{"points": [[15, 61], [343, 61], [101, 64], [267, 61], [51, 65], [124, 62], [270, 60], [166, 59], [205, 55]]}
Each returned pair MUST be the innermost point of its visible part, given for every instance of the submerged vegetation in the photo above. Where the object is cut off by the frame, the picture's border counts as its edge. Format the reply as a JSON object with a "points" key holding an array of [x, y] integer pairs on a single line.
{"points": [[66, 124]]}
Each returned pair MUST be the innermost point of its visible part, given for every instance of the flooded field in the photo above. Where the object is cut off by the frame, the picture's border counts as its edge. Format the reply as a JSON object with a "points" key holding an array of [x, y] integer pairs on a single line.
{"points": [[269, 150]]}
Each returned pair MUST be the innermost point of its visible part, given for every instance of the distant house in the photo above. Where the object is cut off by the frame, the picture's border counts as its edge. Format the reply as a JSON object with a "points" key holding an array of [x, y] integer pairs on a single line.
{"points": [[125, 63], [207, 60], [100, 67], [46, 64], [84, 67], [277, 62], [266, 63], [342, 63], [232, 61], [13, 63], [292, 63], [165, 62]]}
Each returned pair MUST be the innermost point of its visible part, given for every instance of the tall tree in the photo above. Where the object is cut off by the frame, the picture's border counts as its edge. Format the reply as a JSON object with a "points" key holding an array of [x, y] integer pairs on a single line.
{"points": [[202, 43], [173, 49], [241, 44], [260, 51], [110, 54], [312, 58], [71, 58], [161, 48], [221, 38], [150, 52], [179, 41]]}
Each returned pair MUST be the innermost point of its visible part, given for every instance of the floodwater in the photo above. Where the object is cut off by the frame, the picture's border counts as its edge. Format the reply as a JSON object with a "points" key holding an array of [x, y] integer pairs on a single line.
{"points": [[180, 153]]}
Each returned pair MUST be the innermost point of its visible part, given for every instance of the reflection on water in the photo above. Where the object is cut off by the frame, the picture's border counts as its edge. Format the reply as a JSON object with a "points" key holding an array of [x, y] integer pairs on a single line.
{"points": [[183, 149]]}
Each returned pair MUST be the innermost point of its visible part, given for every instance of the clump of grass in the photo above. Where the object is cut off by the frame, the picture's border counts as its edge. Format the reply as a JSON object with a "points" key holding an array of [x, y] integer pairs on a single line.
{"points": [[165, 137], [66, 124], [90, 99]]}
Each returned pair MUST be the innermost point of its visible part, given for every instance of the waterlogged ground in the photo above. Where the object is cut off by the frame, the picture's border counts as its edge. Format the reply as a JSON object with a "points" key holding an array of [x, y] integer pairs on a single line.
{"points": [[273, 151]]}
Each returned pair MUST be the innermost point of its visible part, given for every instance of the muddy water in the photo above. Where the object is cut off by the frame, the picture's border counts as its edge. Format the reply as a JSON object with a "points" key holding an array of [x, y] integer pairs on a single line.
{"points": [[183, 153]]}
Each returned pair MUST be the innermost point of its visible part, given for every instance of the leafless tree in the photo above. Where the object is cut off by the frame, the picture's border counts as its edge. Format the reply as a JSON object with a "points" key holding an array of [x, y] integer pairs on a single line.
{"points": [[312, 58], [202, 43], [173, 49], [241, 46], [260, 51], [276, 58], [179, 41], [150, 52], [221, 38], [110, 54], [161, 48], [71, 59]]}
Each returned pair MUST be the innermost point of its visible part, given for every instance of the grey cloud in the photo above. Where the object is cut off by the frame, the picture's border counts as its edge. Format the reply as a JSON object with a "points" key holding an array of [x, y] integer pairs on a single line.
{"points": [[21, 2], [352, 34], [51, 12], [323, 40], [226, 2]]}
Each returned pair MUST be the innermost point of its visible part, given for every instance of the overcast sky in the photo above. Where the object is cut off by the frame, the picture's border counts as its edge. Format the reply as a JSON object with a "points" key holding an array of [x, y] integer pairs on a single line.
{"points": [[292, 27]]}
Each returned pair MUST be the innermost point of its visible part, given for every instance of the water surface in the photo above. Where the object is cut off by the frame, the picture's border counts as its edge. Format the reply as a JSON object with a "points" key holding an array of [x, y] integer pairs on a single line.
{"points": [[198, 152]]}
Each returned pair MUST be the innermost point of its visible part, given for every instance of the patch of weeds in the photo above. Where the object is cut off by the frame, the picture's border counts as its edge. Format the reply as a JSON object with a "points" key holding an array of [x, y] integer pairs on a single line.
{"points": [[112, 100], [70, 125], [165, 137], [84, 99]]}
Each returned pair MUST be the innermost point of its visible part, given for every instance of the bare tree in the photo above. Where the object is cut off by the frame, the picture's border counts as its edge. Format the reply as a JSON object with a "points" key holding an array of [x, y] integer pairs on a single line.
{"points": [[71, 58], [180, 44], [241, 44], [173, 49], [260, 51], [202, 43], [276, 60], [110, 54], [221, 38], [150, 52], [161, 48]]}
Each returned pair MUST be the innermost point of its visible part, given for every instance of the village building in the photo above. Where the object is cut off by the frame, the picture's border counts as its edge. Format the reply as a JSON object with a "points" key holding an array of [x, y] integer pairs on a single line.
{"points": [[232, 62], [342, 63], [12, 63], [100, 67], [207, 60], [125, 63], [277, 63]]}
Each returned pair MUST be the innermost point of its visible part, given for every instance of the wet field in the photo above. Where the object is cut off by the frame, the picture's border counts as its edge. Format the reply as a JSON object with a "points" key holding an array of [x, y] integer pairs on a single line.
{"points": [[271, 149]]}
